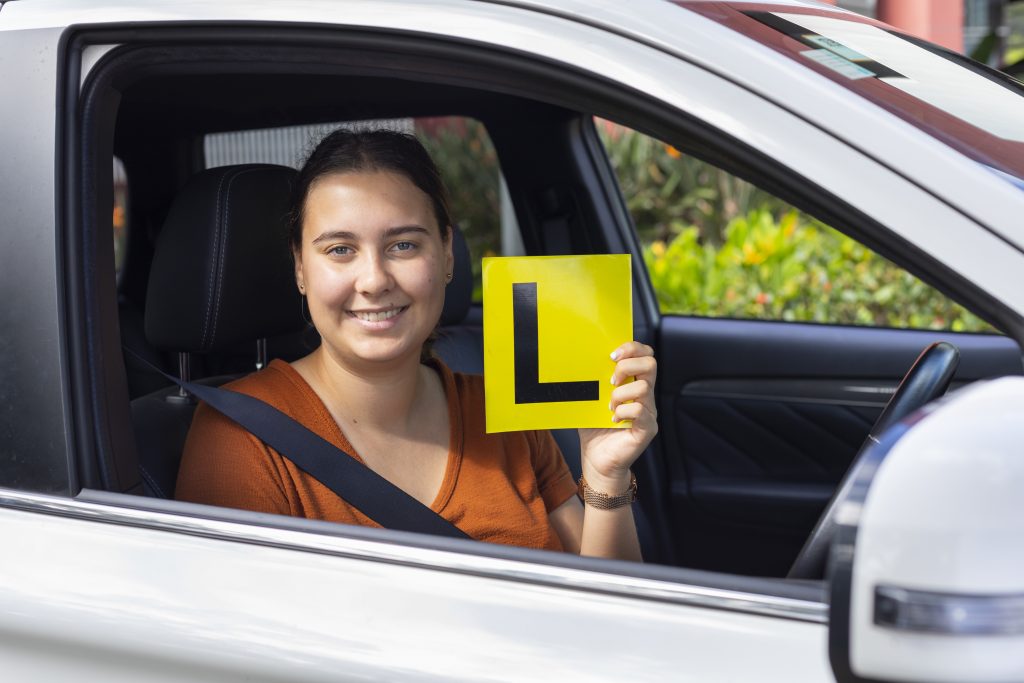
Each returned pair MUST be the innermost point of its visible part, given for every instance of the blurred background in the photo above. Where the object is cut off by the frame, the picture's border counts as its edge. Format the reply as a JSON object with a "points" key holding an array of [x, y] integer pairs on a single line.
{"points": [[990, 31]]}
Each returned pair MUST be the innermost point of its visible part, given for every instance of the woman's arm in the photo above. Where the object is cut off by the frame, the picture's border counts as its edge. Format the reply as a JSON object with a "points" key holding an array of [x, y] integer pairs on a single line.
{"points": [[607, 455]]}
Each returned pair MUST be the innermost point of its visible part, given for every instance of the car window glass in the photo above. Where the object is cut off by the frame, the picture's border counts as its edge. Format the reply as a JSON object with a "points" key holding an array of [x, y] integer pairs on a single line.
{"points": [[120, 218], [717, 246], [459, 145]]}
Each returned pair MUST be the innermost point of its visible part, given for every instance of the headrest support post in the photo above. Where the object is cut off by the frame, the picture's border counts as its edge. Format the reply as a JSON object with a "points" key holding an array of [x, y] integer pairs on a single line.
{"points": [[185, 375], [261, 353]]}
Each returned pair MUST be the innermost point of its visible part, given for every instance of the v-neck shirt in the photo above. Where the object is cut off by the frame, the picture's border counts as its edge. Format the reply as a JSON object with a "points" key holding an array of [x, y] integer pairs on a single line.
{"points": [[496, 487]]}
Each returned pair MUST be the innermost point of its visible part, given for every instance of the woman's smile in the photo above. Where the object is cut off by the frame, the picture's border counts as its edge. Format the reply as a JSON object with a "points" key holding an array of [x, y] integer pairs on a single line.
{"points": [[379, 318]]}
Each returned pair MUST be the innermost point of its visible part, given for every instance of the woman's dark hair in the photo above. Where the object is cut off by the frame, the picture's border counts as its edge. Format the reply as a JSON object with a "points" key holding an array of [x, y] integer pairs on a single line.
{"points": [[373, 150]]}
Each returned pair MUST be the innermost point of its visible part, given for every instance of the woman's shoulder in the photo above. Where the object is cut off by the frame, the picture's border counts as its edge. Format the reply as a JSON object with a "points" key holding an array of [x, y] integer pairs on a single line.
{"points": [[472, 386], [278, 384]]}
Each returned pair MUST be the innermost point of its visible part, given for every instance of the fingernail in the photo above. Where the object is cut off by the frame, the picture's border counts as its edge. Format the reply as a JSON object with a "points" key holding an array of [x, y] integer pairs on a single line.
{"points": [[615, 355], [612, 380]]}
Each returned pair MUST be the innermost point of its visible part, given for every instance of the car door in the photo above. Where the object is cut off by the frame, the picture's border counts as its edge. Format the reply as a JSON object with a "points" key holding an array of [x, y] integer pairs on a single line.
{"points": [[780, 342], [100, 584]]}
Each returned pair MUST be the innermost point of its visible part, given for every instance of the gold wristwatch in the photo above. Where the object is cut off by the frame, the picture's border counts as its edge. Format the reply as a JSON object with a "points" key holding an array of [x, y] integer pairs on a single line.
{"points": [[602, 501]]}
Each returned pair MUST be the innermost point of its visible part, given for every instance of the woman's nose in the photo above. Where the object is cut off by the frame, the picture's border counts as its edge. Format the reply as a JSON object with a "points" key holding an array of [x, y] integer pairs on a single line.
{"points": [[374, 276]]}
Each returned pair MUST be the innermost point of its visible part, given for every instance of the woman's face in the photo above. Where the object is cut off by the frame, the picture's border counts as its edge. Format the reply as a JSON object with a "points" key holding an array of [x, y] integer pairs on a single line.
{"points": [[373, 266]]}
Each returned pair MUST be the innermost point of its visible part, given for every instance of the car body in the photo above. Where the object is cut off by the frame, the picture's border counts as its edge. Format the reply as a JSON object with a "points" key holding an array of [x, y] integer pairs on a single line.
{"points": [[100, 583]]}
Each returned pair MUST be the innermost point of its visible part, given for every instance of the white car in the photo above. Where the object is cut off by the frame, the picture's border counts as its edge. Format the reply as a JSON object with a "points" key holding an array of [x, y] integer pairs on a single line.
{"points": [[916, 153]]}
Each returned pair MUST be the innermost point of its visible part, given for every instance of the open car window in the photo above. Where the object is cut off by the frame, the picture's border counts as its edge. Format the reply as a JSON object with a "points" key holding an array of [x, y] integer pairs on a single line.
{"points": [[554, 195]]}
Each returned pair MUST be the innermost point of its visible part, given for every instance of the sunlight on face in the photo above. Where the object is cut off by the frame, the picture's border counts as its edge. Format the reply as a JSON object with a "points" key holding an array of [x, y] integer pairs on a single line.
{"points": [[373, 265]]}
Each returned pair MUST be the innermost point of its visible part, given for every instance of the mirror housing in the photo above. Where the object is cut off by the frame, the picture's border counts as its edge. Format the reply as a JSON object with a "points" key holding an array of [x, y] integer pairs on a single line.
{"points": [[927, 569]]}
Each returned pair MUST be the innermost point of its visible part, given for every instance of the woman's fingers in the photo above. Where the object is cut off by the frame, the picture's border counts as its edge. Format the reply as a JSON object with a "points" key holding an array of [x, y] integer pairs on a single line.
{"points": [[641, 367], [642, 418], [628, 411], [632, 349], [633, 391]]}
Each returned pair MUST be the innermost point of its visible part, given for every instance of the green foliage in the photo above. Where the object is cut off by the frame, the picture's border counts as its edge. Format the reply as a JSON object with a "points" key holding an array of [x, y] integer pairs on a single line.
{"points": [[667, 191], [718, 246], [794, 269]]}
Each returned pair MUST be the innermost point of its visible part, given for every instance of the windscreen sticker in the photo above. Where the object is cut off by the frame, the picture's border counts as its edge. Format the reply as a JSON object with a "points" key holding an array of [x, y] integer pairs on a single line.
{"points": [[550, 325], [841, 66], [837, 47], [827, 51]]}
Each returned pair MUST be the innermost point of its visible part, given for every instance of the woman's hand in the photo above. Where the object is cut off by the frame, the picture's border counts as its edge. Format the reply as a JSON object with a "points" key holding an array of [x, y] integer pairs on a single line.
{"points": [[607, 454]]}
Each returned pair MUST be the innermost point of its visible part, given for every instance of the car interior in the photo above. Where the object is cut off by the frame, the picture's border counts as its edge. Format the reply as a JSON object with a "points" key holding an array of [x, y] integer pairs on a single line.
{"points": [[759, 420]]}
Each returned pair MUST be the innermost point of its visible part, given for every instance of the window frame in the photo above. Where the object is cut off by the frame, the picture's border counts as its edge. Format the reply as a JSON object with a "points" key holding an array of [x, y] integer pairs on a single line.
{"points": [[98, 384]]}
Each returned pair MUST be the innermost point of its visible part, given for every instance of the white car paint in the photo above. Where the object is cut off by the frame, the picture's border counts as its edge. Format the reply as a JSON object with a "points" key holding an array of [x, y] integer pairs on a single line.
{"points": [[97, 593], [91, 600]]}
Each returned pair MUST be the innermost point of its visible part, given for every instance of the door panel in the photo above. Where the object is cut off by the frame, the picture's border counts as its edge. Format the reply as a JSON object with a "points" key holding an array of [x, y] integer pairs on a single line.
{"points": [[765, 417], [124, 595]]}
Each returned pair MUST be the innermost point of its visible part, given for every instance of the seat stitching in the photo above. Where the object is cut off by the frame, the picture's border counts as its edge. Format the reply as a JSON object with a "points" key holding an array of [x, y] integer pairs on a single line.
{"points": [[216, 234], [223, 251], [152, 481]]}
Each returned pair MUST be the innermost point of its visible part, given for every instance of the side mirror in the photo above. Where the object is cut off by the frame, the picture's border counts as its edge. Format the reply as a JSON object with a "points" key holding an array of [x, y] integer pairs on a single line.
{"points": [[927, 569]]}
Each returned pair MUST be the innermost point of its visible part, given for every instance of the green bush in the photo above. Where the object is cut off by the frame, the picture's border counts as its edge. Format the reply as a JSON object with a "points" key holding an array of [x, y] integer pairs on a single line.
{"points": [[716, 245], [667, 191], [795, 269]]}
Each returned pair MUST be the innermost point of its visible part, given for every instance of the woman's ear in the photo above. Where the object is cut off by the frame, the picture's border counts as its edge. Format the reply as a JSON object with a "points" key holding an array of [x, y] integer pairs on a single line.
{"points": [[300, 280]]}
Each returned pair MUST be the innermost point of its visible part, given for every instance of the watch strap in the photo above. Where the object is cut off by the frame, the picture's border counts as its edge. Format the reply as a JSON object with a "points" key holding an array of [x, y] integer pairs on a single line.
{"points": [[603, 501]]}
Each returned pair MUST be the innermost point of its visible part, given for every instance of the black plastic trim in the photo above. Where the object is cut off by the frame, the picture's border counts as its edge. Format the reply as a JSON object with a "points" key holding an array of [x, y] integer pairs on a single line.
{"points": [[68, 270], [98, 387]]}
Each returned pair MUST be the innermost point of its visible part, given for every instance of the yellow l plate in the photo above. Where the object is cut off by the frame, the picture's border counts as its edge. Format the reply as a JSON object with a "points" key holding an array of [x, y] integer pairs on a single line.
{"points": [[550, 326]]}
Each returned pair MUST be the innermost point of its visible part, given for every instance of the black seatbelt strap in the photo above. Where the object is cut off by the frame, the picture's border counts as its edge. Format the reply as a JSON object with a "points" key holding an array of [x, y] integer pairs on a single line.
{"points": [[349, 479]]}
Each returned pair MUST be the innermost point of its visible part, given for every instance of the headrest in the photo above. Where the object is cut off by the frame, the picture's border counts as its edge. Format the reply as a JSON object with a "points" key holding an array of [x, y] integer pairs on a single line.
{"points": [[222, 272], [458, 296]]}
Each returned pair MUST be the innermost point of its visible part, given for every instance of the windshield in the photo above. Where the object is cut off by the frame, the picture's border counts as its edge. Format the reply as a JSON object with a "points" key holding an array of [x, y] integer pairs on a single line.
{"points": [[974, 109]]}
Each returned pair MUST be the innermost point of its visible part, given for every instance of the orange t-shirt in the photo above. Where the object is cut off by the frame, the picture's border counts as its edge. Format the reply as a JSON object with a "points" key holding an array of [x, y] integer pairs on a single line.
{"points": [[496, 487]]}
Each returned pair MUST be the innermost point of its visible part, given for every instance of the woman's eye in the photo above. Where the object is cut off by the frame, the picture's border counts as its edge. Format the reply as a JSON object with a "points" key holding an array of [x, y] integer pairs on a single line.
{"points": [[339, 251], [404, 246]]}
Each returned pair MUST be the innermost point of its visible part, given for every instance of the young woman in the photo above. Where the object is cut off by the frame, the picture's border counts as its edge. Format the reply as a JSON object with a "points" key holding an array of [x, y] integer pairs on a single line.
{"points": [[370, 233]]}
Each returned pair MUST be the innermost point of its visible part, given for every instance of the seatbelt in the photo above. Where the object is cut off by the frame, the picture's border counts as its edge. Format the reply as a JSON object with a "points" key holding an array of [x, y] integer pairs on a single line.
{"points": [[349, 479]]}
